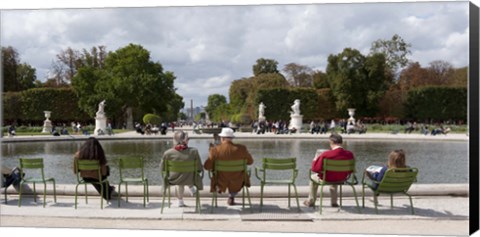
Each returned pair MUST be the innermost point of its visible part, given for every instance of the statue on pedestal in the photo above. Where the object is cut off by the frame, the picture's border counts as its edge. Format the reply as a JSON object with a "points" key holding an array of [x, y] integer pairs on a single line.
{"points": [[261, 111], [100, 120], [296, 119], [295, 107]]}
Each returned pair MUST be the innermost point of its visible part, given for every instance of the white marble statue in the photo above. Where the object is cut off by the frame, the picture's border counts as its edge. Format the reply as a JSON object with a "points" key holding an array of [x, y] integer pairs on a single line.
{"points": [[261, 110], [295, 107], [101, 107]]}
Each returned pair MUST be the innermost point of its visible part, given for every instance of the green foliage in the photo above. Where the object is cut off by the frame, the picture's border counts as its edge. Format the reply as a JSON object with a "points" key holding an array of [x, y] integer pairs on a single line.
{"points": [[395, 51], [357, 81], [17, 76], [128, 79], [239, 92], [221, 113], [214, 102], [320, 80], [12, 104], [437, 103], [241, 118], [265, 66], [280, 100], [28, 105], [151, 119]]}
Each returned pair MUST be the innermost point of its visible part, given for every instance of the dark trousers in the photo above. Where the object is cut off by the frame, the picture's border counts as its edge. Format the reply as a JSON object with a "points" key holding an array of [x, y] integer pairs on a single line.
{"points": [[107, 189]]}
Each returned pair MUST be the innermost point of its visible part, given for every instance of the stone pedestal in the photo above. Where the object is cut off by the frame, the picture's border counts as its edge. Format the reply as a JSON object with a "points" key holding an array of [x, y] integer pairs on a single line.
{"points": [[100, 124], [261, 118], [296, 121], [47, 126]]}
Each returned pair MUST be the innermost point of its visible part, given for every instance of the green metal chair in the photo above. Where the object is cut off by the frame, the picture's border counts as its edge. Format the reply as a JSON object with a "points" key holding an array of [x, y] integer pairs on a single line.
{"points": [[89, 165], [34, 164], [133, 164], [230, 166], [278, 164], [330, 165], [190, 166], [396, 180]]}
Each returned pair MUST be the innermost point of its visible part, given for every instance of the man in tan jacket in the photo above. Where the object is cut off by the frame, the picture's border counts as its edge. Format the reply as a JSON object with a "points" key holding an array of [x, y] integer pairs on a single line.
{"points": [[227, 150]]}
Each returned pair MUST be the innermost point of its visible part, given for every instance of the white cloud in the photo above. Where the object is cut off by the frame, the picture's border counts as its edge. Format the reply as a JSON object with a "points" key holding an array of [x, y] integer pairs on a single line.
{"points": [[208, 47]]}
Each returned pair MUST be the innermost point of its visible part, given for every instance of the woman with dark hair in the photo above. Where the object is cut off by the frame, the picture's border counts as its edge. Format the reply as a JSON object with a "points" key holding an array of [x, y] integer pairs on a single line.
{"points": [[92, 150]]}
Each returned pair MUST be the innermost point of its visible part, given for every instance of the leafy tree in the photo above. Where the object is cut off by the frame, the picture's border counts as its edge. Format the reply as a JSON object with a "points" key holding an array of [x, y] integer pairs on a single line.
{"points": [[265, 66], [440, 72], [299, 75], [357, 81], [214, 102], [128, 81], [395, 51], [412, 76], [320, 80], [459, 77], [239, 92], [26, 76], [17, 76]]}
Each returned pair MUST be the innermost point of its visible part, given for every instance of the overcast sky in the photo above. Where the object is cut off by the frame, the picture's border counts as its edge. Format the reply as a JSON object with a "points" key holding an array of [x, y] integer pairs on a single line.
{"points": [[209, 47]]}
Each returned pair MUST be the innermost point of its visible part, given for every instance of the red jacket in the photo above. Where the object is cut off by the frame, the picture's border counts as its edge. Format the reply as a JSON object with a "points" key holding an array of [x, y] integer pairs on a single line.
{"points": [[336, 154]]}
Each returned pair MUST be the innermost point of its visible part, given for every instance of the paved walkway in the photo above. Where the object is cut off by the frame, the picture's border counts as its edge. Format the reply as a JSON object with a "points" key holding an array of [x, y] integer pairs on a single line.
{"points": [[436, 213]]}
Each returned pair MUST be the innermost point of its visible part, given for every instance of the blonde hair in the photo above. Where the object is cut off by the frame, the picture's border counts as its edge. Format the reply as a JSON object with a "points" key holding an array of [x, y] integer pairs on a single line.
{"points": [[396, 159]]}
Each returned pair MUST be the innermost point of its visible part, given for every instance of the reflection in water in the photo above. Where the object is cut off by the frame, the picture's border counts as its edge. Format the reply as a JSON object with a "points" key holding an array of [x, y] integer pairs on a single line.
{"points": [[438, 162]]}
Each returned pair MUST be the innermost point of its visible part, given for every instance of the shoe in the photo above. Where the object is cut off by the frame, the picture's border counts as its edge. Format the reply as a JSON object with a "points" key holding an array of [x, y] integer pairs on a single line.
{"points": [[334, 205], [181, 204], [308, 203], [231, 201]]}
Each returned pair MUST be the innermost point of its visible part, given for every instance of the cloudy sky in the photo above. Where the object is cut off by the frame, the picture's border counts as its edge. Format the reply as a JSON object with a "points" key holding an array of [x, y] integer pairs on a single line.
{"points": [[209, 47]]}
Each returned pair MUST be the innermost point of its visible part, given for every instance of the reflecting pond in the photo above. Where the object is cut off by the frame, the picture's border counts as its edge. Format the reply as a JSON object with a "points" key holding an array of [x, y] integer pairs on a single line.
{"points": [[438, 161]]}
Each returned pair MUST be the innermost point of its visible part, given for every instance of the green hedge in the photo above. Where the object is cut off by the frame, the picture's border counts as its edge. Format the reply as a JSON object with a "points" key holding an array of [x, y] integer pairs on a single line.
{"points": [[437, 103], [151, 119], [28, 106], [314, 104]]}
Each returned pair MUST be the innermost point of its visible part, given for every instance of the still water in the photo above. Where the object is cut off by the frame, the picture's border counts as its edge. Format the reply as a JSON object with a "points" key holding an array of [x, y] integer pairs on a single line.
{"points": [[437, 161]]}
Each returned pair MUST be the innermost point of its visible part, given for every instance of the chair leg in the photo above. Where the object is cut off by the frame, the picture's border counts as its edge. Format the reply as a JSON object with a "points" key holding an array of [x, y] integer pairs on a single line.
{"points": [[44, 192], [148, 199], [163, 198], [296, 196], [363, 195], [261, 196], [243, 197], [341, 197], [126, 192], [144, 194], [249, 201], [375, 202], [86, 194], [54, 192], [119, 193], [321, 199], [19, 194], [76, 192], [198, 206], [391, 201], [356, 200], [34, 193], [411, 203], [5, 193], [288, 195], [101, 195]]}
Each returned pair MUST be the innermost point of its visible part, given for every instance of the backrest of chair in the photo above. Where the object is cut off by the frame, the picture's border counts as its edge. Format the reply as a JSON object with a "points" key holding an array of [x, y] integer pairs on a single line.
{"points": [[230, 165], [339, 165], [180, 166], [88, 165], [31, 164], [130, 163], [397, 180], [279, 163]]}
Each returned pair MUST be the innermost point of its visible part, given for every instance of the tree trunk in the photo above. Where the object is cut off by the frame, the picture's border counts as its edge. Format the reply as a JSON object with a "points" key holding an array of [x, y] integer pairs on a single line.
{"points": [[129, 118]]}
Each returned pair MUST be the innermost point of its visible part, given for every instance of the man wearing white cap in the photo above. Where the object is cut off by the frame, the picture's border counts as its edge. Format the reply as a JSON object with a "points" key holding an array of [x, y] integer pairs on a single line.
{"points": [[227, 150]]}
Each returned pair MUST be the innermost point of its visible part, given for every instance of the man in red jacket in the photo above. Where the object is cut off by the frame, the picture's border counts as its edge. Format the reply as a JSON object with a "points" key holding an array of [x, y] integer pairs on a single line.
{"points": [[336, 153]]}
